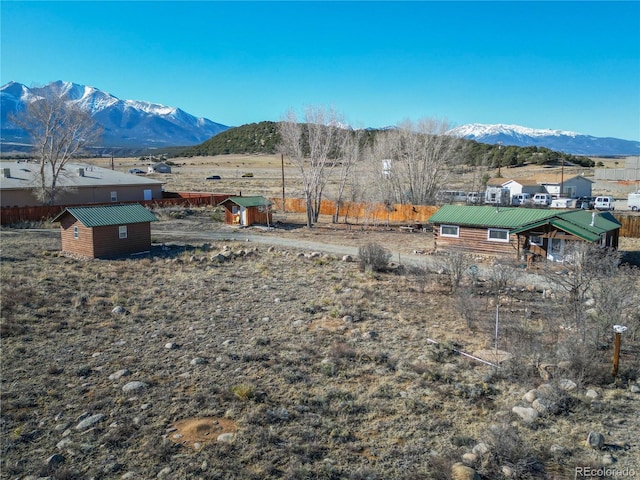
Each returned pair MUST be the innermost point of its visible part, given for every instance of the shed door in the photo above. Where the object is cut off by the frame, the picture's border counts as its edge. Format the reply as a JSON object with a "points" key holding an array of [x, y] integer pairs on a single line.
{"points": [[243, 215], [147, 194]]}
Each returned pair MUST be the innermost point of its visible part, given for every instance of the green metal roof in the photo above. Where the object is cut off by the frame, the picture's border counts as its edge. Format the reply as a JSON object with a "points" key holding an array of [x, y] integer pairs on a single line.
{"points": [[518, 219], [252, 201], [102, 216], [489, 216]]}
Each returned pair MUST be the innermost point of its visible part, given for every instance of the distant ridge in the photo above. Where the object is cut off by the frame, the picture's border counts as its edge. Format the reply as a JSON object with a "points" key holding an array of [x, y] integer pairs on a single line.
{"points": [[558, 140], [126, 123]]}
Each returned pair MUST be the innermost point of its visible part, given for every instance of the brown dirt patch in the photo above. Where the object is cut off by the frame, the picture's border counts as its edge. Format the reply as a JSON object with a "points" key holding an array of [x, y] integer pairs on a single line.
{"points": [[193, 431]]}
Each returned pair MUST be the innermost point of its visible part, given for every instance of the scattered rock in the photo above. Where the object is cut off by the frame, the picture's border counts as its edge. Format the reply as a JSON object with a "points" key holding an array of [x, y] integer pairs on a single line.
{"points": [[133, 386], [592, 394], [119, 374], [469, 458], [595, 440], [530, 396], [480, 449], [89, 421], [119, 310], [54, 461], [347, 258], [634, 388], [198, 361], [526, 414], [225, 437], [459, 471], [567, 385]]}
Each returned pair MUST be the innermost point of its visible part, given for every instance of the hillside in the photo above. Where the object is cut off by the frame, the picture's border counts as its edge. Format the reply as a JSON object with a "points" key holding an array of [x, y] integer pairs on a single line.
{"points": [[263, 138]]}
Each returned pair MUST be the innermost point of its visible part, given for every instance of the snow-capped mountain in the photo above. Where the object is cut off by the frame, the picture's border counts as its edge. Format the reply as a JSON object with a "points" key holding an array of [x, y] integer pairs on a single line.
{"points": [[126, 123], [558, 140]]}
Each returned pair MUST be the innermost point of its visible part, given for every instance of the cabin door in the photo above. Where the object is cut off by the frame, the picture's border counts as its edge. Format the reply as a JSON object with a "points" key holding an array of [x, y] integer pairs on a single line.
{"points": [[243, 216], [556, 250]]}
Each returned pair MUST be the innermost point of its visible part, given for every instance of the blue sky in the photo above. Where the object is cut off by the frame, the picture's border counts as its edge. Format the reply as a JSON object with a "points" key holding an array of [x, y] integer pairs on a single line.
{"points": [[561, 65]]}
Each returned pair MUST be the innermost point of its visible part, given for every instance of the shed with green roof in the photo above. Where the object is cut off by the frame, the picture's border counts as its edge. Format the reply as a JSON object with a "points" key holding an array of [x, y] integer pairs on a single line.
{"points": [[106, 231], [520, 232], [247, 211]]}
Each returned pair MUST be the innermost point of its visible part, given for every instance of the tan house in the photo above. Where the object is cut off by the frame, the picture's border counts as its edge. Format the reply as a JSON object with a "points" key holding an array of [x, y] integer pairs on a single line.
{"points": [[106, 231], [78, 184], [247, 211]]}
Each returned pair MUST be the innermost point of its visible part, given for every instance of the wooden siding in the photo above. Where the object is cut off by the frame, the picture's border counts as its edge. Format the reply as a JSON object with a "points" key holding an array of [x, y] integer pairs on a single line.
{"points": [[83, 245], [104, 242], [253, 216], [474, 240]]}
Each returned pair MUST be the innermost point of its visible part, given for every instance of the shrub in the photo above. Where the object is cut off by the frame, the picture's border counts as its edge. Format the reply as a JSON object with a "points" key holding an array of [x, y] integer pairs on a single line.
{"points": [[373, 257]]}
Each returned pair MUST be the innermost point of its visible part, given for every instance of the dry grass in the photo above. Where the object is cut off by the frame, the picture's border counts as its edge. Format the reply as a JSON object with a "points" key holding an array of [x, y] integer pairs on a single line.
{"points": [[324, 371], [320, 370]]}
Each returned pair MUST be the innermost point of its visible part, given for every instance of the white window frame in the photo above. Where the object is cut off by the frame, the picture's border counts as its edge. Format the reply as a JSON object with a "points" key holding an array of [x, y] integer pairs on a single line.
{"points": [[501, 230], [122, 232], [456, 235], [76, 232], [114, 196], [536, 240]]}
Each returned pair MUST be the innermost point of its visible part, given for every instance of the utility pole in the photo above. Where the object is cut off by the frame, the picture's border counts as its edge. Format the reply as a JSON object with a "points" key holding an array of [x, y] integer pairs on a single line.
{"points": [[282, 166]]}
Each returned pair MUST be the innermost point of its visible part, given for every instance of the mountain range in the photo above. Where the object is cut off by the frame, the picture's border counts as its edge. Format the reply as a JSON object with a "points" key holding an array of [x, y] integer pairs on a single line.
{"points": [[126, 123], [142, 124], [558, 140]]}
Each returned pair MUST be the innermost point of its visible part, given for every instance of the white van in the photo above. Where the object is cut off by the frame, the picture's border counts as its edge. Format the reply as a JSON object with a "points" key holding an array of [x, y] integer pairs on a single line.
{"points": [[542, 199], [604, 203], [521, 199]]}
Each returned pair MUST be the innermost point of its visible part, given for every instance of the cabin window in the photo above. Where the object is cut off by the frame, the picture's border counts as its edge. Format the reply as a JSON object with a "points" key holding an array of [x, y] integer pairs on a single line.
{"points": [[498, 235], [122, 231], [535, 240], [114, 196], [449, 231], [76, 232]]}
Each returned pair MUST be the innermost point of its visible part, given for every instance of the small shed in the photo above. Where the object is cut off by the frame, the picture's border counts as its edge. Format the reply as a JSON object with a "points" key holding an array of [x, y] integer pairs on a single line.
{"points": [[159, 168], [246, 211], [106, 231]]}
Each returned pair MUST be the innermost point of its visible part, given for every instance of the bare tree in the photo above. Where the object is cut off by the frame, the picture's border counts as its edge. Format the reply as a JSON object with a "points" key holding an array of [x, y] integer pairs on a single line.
{"points": [[59, 131], [313, 146], [583, 264], [350, 155], [419, 159]]}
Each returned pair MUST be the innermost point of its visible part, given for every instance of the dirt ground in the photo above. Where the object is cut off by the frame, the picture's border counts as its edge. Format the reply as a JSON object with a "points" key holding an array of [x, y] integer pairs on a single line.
{"points": [[283, 361]]}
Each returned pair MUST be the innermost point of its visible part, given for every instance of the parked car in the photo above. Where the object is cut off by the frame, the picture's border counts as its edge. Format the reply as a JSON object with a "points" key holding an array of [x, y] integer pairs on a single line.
{"points": [[585, 203], [213, 177], [246, 175], [521, 199], [604, 203], [542, 199], [136, 171]]}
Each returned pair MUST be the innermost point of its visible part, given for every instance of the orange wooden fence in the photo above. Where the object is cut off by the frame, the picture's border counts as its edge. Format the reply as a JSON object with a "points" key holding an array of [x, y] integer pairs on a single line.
{"points": [[352, 212]]}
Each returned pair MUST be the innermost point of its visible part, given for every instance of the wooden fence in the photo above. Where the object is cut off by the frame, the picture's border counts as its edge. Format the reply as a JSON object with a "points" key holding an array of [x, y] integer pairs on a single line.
{"points": [[358, 213], [17, 215], [380, 213]]}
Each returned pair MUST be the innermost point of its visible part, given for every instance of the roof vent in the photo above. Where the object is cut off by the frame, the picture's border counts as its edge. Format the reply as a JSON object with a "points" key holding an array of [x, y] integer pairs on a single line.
{"points": [[593, 219], [6, 172], [81, 172]]}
